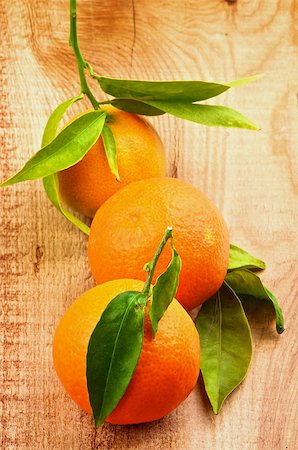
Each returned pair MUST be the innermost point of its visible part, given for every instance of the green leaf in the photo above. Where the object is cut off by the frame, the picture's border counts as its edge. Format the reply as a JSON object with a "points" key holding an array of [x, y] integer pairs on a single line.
{"points": [[51, 186], [165, 290], [177, 97], [184, 91], [52, 124], [219, 116], [242, 81], [110, 150], [69, 147], [50, 183], [248, 285], [240, 258], [136, 107], [113, 352], [226, 345]]}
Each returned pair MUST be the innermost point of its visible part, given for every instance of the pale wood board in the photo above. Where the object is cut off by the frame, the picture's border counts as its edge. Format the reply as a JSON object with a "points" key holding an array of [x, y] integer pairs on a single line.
{"points": [[251, 176]]}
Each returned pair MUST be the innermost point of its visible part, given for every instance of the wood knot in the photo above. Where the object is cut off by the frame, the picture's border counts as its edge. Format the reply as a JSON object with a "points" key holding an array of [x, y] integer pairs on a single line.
{"points": [[38, 257]]}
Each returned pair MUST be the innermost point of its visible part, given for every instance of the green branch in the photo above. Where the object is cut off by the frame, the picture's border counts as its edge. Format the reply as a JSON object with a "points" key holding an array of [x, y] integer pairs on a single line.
{"points": [[81, 63], [150, 267]]}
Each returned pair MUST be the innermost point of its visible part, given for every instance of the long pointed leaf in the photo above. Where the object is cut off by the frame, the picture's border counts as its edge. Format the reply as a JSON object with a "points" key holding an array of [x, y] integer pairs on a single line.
{"points": [[113, 352], [248, 285], [69, 147], [50, 183], [239, 258], [51, 186], [219, 116], [55, 118], [178, 91], [161, 90], [226, 345], [243, 81], [110, 150], [165, 290]]}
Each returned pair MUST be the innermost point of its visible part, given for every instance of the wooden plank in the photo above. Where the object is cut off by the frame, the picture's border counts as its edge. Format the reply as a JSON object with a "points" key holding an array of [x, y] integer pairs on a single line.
{"points": [[251, 176]]}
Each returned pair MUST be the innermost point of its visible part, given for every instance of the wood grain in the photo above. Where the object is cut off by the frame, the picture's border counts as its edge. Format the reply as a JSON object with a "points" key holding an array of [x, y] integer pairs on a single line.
{"points": [[251, 176]]}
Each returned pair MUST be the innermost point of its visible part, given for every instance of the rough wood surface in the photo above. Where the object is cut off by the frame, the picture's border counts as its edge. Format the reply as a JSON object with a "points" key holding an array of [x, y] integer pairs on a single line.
{"points": [[251, 176]]}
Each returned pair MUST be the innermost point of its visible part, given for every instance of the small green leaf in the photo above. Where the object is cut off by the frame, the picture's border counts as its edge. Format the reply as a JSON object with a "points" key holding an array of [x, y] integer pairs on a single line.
{"points": [[69, 147], [184, 91], [240, 258], [113, 352], [50, 183], [248, 285], [212, 116], [164, 290], [51, 186], [52, 124], [136, 107], [226, 345], [242, 81], [110, 150]]}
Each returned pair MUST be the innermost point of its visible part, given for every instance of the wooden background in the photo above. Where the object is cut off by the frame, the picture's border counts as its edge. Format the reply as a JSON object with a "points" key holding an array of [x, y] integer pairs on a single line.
{"points": [[251, 176]]}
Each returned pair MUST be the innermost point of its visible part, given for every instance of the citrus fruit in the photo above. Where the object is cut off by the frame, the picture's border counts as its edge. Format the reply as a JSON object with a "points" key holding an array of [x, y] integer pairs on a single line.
{"points": [[126, 230], [166, 372], [140, 154]]}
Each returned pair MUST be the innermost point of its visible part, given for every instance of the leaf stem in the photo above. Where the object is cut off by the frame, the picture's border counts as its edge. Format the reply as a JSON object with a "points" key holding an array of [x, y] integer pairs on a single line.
{"points": [[91, 71], [150, 266], [105, 102], [81, 63]]}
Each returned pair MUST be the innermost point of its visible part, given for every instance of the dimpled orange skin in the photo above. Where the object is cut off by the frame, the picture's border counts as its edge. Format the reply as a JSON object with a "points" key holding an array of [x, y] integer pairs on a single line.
{"points": [[166, 372], [127, 229], [140, 154]]}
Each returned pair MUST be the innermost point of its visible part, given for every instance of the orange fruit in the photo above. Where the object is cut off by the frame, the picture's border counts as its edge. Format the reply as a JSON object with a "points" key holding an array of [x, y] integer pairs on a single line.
{"points": [[140, 154], [126, 231], [166, 372]]}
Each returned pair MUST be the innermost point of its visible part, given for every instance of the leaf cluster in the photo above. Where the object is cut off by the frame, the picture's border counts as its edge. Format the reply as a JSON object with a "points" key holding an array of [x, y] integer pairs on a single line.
{"points": [[226, 341], [116, 342], [61, 149], [178, 98]]}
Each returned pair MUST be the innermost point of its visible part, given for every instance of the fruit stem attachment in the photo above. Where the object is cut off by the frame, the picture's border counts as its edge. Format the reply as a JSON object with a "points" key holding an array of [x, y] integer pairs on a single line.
{"points": [[81, 63], [150, 266]]}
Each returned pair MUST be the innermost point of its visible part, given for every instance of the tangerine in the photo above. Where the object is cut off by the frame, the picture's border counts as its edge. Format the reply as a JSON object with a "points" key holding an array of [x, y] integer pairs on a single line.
{"points": [[167, 369], [86, 185], [126, 230]]}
